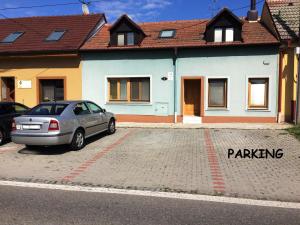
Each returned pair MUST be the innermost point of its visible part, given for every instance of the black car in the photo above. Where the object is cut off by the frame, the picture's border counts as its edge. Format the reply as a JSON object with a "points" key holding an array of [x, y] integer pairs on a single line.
{"points": [[9, 110]]}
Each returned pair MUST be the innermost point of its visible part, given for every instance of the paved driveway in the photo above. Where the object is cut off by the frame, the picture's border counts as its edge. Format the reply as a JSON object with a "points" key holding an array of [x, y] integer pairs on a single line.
{"points": [[181, 160]]}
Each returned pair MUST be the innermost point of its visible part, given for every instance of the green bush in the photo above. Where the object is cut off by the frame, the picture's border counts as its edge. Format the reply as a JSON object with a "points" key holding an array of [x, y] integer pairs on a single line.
{"points": [[295, 131]]}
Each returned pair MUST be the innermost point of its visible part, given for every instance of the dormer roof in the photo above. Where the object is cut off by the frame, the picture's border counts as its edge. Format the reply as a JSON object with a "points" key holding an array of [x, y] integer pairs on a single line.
{"points": [[224, 12], [126, 18]]}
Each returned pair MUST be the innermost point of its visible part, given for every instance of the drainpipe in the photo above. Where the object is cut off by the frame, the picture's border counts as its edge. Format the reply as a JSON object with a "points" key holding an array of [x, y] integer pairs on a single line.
{"points": [[280, 86], [175, 83], [297, 117]]}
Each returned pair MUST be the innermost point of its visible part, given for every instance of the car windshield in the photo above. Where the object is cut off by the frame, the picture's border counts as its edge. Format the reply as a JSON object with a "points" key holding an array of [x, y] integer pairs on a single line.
{"points": [[48, 109]]}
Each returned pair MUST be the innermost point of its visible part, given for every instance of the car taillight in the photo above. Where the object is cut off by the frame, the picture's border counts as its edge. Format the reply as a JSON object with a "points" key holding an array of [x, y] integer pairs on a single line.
{"points": [[13, 125], [53, 126]]}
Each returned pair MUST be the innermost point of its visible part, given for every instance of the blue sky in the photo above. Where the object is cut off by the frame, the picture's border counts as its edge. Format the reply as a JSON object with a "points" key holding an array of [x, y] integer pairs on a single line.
{"points": [[139, 10]]}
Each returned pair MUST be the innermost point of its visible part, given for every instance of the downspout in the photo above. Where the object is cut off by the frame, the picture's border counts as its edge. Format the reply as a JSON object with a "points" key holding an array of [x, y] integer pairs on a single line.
{"points": [[297, 117], [280, 86], [175, 83]]}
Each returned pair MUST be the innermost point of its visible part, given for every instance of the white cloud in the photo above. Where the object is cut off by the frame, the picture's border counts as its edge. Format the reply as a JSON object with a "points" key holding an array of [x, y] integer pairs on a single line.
{"points": [[139, 10]]}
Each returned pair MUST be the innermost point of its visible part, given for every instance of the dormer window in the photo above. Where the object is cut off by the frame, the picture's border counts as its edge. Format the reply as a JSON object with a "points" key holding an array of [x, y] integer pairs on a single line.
{"points": [[125, 39], [218, 35], [12, 37], [229, 34], [225, 34]]}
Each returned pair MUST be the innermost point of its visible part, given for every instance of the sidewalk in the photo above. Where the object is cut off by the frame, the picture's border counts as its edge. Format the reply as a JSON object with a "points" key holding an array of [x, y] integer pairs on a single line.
{"points": [[240, 126]]}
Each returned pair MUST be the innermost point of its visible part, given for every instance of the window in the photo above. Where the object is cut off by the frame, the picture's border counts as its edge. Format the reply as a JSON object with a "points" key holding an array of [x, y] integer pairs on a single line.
{"points": [[167, 33], [12, 37], [52, 90], [121, 39], [48, 109], [94, 108], [217, 93], [218, 35], [258, 93], [20, 108], [130, 38], [129, 89], [229, 35], [81, 109], [224, 34], [126, 39], [55, 36]]}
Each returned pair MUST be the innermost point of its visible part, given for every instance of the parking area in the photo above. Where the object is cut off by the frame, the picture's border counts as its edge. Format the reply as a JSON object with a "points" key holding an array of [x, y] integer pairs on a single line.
{"points": [[179, 160]]}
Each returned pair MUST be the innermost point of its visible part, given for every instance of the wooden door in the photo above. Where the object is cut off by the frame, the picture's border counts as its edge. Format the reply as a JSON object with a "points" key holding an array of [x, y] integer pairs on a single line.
{"points": [[8, 89], [192, 92]]}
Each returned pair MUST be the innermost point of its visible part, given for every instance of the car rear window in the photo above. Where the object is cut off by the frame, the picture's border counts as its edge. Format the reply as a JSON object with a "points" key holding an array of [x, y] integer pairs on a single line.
{"points": [[48, 109]]}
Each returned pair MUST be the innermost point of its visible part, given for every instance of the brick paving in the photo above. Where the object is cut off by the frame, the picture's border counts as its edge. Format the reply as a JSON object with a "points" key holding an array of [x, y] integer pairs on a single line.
{"points": [[179, 160]]}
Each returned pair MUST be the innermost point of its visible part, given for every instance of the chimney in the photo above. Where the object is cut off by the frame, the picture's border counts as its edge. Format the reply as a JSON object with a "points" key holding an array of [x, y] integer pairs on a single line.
{"points": [[252, 13], [85, 7]]}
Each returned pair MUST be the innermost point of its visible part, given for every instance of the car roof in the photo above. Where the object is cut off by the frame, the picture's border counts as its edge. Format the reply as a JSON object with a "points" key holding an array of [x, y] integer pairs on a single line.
{"points": [[65, 102], [9, 103]]}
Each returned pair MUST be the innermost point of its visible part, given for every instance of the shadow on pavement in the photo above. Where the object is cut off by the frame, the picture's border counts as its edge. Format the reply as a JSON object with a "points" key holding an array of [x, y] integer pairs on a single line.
{"points": [[59, 149]]}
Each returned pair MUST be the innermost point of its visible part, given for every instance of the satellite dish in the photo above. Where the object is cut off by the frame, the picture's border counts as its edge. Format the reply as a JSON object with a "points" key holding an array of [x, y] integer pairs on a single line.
{"points": [[85, 9]]}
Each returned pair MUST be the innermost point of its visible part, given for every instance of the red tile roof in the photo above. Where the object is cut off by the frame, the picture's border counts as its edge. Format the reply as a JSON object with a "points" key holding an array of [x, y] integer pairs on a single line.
{"points": [[189, 33], [286, 17], [37, 29]]}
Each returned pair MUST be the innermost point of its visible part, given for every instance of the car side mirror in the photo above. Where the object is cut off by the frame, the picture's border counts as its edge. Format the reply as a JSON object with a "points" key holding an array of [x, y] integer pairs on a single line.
{"points": [[104, 110]]}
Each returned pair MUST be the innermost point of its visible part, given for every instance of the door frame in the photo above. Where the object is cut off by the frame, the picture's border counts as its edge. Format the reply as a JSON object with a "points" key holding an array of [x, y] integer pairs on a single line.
{"points": [[38, 86], [1, 99], [201, 78]]}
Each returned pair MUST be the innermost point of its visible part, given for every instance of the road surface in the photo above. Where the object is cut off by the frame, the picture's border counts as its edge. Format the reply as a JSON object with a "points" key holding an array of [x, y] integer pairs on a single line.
{"points": [[24, 205]]}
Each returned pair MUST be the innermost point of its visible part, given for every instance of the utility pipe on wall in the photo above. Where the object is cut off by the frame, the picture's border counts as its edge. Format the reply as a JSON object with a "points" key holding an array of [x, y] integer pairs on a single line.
{"points": [[175, 83], [297, 117]]}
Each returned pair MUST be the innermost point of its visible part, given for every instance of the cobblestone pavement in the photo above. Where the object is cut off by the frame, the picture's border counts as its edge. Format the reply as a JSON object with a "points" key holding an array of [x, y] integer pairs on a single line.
{"points": [[179, 160]]}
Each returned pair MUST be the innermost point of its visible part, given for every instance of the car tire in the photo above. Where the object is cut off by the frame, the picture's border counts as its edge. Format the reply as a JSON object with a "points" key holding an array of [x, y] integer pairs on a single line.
{"points": [[111, 129], [78, 141], [2, 137]]}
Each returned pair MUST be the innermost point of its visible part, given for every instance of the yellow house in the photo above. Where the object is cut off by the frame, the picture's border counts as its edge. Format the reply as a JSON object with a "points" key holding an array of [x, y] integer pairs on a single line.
{"points": [[39, 57], [282, 19]]}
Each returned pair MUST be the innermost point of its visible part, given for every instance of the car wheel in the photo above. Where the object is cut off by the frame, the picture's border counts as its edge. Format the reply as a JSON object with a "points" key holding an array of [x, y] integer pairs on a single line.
{"points": [[78, 141], [2, 137], [111, 126]]}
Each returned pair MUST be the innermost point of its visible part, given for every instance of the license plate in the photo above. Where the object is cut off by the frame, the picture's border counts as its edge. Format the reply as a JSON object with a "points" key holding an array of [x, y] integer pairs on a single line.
{"points": [[31, 127]]}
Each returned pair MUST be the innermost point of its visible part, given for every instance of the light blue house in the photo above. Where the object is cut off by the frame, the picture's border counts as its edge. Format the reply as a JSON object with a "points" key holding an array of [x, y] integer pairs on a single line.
{"points": [[219, 70]]}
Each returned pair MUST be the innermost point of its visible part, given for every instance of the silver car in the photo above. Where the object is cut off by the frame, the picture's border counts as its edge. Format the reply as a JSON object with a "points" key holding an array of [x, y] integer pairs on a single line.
{"points": [[64, 122]]}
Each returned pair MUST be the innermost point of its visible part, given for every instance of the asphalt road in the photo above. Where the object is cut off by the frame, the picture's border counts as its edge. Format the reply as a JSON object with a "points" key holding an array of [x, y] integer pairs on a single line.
{"points": [[41, 206]]}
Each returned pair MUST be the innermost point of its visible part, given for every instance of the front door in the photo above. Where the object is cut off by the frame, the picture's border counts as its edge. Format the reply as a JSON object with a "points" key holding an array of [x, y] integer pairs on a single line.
{"points": [[191, 104], [8, 89], [51, 90]]}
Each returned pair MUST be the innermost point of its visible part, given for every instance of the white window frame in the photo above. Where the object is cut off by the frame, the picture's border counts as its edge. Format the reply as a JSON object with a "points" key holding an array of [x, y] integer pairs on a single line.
{"points": [[268, 109], [218, 29], [124, 38], [229, 28], [126, 76], [228, 94]]}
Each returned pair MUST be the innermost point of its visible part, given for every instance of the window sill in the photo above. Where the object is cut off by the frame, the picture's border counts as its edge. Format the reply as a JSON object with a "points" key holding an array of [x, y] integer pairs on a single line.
{"points": [[258, 110], [129, 103], [217, 109]]}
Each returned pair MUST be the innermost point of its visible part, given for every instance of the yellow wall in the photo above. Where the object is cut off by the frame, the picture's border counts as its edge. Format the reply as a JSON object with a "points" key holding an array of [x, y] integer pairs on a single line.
{"points": [[289, 83], [32, 68]]}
